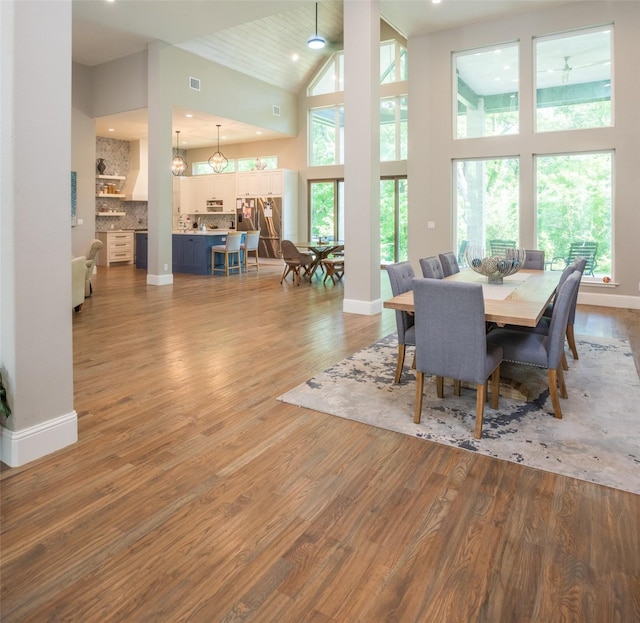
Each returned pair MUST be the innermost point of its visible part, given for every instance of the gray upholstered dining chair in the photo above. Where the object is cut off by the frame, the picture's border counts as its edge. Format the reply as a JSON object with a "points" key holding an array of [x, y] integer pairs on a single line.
{"points": [[451, 341], [542, 351], [401, 277], [534, 259], [431, 267], [579, 265], [449, 263]]}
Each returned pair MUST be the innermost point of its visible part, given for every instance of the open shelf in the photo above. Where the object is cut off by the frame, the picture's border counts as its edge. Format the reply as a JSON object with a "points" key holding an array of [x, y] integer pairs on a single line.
{"points": [[111, 214]]}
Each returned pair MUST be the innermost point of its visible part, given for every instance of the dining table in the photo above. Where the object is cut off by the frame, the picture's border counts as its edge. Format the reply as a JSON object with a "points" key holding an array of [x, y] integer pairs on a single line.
{"points": [[520, 299], [320, 249]]}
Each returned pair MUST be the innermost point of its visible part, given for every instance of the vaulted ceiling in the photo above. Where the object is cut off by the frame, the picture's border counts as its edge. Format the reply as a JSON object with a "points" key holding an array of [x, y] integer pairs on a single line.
{"points": [[256, 37]]}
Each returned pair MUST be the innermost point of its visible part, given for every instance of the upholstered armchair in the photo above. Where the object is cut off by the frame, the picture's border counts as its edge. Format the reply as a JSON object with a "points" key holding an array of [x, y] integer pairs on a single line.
{"points": [[91, 255], [78, 276]]}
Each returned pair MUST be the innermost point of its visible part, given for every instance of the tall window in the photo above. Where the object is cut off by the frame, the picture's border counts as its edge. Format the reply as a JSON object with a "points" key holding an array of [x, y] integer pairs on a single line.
{"points": [[486, 83], [393, 220], [573, 80], [487, 205], [326, 136], [574, 205], [326, 206], [330, 79], [393, 62], [393, 128]]}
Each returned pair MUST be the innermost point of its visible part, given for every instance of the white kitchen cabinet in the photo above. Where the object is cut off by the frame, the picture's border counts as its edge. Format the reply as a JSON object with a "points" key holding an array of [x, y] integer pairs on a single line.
{"points": [[260, 183], [118, 247], [197, 189]]}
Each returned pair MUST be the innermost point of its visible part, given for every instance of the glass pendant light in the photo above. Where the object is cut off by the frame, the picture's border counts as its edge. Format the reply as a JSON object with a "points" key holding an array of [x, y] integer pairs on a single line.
{"points": [[178, 163], [316, 42], [218, 162]]}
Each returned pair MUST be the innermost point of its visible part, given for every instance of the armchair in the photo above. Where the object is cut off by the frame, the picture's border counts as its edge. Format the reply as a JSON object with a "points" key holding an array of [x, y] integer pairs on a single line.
{"points": [[91, 255], [78, 277]]}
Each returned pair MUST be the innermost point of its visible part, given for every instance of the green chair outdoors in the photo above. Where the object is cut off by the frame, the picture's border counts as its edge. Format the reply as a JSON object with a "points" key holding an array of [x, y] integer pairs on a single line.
{"points": [[499, 247], [584, 248]]}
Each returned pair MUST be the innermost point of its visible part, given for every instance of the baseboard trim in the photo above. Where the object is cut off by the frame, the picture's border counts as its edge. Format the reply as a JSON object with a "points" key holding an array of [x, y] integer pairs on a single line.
{"points": [[364, 308], [609, 300], [23, 446], [159, 280]]}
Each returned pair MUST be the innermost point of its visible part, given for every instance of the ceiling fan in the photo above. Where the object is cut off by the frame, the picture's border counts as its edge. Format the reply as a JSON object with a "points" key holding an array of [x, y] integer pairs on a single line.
{"points": [[567, 68]]}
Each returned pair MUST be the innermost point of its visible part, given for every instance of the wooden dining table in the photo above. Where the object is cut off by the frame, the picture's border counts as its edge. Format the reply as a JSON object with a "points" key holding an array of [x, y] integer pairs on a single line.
{"points": [[321, 250], [520, 300]]}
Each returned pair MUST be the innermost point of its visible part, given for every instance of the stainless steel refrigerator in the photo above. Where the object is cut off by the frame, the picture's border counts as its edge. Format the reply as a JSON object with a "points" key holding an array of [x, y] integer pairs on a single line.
{"points": [[265, 214]]}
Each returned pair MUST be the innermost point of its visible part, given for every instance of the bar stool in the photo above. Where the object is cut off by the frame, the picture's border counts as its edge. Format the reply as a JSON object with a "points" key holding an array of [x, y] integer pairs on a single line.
{"points": [[231, 248], [250, 244]]}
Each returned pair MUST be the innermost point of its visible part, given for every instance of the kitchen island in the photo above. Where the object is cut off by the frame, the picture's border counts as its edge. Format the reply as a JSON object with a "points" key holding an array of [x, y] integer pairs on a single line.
{"points": [[191, 250]]}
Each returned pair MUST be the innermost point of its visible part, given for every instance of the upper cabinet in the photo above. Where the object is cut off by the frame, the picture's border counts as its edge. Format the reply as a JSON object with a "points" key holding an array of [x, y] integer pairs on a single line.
{"points": [[260, 183], [196, 190]]}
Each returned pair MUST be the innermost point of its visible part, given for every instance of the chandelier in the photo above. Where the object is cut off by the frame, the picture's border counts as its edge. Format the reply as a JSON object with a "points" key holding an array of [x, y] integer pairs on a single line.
{"points": [[178, 163], [218, 162]]}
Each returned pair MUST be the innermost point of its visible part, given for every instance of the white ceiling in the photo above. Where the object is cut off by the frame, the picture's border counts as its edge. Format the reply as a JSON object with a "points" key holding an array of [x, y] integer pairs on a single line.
{"points": [[256, 37]]}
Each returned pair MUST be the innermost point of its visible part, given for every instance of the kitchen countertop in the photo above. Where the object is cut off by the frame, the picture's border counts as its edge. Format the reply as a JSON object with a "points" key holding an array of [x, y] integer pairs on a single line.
{"points": [[209, 232]]}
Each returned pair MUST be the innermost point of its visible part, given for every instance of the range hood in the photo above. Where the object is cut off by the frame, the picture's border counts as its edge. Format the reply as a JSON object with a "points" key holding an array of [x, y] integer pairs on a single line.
{"points": [[136, 186]]}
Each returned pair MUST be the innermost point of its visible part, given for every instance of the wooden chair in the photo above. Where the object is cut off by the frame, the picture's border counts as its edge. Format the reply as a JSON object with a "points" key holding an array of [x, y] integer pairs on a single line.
{"points": [[542, 351], [401, 277], [230, 250], [250, 245], [334, 268], [295, 261], [451, 341]]}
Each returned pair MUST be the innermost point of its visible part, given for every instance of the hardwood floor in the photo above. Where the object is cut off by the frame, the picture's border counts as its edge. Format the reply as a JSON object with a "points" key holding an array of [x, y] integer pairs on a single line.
{"points": [[194, 495]]}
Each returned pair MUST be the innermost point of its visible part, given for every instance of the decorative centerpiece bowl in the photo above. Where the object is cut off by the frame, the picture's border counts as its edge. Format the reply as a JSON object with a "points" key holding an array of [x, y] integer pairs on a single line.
{"points": [[495, 266]]}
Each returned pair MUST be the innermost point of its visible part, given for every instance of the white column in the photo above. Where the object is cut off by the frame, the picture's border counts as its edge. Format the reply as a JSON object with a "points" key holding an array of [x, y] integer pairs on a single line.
{"points": [[362, 156], [160, 216], [36, 352]]}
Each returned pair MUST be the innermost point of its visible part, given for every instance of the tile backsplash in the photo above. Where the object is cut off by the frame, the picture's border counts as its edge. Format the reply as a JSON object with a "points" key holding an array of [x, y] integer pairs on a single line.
{"points": [[116, 159]]}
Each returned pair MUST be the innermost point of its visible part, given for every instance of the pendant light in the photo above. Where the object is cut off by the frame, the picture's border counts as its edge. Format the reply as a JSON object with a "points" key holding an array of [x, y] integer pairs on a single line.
{"points": [[218, 162], [316, 42], [178, 163]]}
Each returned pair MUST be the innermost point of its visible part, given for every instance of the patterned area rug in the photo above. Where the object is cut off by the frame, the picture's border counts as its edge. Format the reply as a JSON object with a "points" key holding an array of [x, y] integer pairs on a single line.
{"points": [[597, 440]]}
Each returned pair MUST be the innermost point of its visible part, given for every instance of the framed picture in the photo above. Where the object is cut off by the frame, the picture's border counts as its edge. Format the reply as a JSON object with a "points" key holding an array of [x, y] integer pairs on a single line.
{"points": [[74, 199]]}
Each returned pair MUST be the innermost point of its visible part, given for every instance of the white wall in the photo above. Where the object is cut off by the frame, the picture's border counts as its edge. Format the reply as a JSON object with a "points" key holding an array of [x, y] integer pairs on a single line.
{"points": [[432, 148]]}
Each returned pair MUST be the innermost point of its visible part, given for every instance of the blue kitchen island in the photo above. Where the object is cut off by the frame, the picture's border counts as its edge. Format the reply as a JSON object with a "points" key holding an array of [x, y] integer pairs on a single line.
{"points": [[191, 251]]}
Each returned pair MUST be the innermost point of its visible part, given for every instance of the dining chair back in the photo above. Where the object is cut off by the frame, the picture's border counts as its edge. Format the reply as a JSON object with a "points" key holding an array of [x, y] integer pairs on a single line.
{"points": [[449, 263], [431, 267], [451, 341], [295, 261], [401, 277], [534, 259], [542, 351], [250, 245], [231, 252]]}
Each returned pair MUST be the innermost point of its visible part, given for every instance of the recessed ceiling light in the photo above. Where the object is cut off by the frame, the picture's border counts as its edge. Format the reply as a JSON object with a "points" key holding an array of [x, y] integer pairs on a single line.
{"points": [[258, 132], [294, 57], [189, 115], [436, 1], [111, 130]]}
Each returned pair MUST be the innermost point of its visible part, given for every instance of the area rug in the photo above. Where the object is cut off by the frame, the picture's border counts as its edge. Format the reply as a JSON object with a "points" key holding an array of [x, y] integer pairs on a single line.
{"points": [[598, 439]]}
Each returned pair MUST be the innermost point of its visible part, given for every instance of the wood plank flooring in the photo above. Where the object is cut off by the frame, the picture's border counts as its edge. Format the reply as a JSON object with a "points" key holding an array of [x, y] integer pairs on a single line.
{"points": [[193, 495]]}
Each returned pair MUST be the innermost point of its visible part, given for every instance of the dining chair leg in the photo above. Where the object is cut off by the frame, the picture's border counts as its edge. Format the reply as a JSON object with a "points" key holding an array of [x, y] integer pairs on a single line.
{"points": [[561, 383], [440, 386], [285, 272], [563, 361], [572, 341], [419, 389], [480, 389], [495, 388], [553, 392], [456, 387], [400, 364]]}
